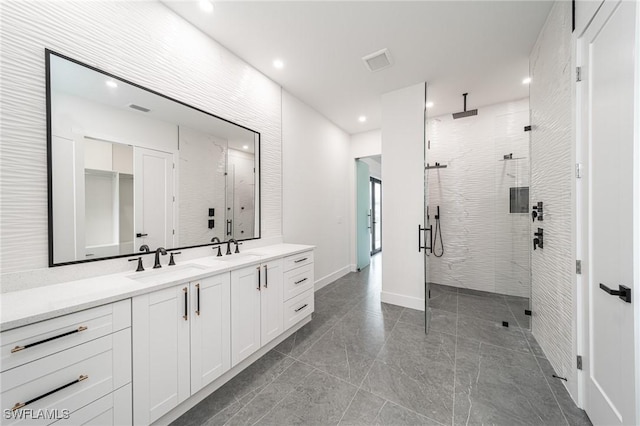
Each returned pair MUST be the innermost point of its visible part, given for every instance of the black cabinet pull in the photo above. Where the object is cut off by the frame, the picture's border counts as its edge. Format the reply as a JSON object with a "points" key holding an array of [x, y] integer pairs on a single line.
{"points": [[198, 299], [300, 281], [302, 307], [258, 268], [139, 235], [623, 292], [20, 405], [229, 227], [266, 277], [186, 304], [300, 260], [68, 333]]}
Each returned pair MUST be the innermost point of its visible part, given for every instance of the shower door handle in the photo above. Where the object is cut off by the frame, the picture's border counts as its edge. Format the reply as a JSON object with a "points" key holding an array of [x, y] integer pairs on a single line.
{"points": [[425, 247]]}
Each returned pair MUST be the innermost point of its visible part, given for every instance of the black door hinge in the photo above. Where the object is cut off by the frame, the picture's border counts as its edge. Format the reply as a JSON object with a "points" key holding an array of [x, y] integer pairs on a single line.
{"points": [[578, 267], [579, 362]]}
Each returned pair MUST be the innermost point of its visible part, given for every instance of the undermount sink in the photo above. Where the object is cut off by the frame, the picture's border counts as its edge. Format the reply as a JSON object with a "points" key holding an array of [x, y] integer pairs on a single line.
{"points": [[167, 273], [238, 257]]}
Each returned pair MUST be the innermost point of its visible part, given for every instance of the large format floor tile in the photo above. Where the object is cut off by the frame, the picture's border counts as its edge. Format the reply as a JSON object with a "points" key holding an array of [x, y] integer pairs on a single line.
{"points": [[363, 362]]}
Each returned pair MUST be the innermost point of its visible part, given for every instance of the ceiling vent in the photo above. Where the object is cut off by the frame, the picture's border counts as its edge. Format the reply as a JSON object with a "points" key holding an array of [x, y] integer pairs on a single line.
{"points": [[139, 108], [377, 61]]}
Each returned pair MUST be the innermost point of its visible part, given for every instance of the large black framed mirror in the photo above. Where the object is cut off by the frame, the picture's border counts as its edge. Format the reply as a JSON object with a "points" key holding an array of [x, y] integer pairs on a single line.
{"points": [[128, 166]]}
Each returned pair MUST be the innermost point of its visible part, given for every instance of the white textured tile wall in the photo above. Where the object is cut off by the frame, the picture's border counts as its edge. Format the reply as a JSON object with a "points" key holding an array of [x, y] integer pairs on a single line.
{"points": [[485, 247], [552, 175], [143, 42]]}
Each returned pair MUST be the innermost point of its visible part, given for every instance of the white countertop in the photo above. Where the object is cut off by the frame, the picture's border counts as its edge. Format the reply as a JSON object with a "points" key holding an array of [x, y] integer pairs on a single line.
{"points": [[20, 308]]}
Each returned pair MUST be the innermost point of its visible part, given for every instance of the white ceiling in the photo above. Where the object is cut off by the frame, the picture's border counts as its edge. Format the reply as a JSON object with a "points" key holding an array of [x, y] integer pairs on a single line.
{"points": [[480, 47]]}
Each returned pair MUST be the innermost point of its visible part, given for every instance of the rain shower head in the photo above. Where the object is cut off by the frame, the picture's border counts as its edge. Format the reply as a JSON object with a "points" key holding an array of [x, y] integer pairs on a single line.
{"points": [[465, 113]]}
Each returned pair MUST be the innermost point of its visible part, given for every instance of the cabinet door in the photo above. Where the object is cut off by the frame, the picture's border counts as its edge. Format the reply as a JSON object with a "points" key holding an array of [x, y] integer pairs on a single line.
{"points": [[245, 312], [160, 352], [271, 307], [210, 330]]}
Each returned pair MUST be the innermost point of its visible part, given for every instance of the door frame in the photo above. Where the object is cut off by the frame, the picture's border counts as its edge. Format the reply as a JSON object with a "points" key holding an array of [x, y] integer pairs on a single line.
{"points": [[373, 181], [581, 223]]}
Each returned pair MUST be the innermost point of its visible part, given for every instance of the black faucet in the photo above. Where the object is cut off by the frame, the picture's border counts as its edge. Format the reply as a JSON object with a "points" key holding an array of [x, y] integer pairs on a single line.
{"points": [[229, 246], [217, 241], [159, 251], [140, 266], [144, 248]]}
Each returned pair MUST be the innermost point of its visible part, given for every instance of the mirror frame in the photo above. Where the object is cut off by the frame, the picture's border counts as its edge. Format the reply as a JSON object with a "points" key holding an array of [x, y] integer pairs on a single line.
{"points": [[48, 53]]}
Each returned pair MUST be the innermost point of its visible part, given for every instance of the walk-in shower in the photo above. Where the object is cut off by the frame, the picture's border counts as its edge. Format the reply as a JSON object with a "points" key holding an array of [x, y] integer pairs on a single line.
{"points": [[477, 208]]}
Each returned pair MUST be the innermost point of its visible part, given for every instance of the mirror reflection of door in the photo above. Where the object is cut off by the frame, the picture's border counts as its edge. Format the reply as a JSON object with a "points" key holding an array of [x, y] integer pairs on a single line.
{"points": [[154, 200], [376, 215]]}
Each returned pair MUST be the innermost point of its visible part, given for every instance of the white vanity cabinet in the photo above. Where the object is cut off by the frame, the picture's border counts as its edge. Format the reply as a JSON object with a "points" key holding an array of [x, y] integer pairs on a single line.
{"points": [[181, 343], [257, 315], [55, 370], [298, 288]]}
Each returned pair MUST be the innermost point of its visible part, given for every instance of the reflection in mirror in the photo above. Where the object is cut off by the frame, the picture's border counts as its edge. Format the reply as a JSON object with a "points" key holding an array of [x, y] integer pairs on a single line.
{"points": [[130, 167]]}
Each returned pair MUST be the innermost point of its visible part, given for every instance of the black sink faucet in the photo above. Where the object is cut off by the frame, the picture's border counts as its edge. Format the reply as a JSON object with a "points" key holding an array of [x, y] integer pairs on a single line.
{"points": [[159, 251], [144, 248], [217, 241], [229, 246]]}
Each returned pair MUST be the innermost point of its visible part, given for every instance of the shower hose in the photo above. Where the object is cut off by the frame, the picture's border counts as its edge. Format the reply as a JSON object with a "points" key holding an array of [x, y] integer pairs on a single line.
{"points": [[436, 233]]}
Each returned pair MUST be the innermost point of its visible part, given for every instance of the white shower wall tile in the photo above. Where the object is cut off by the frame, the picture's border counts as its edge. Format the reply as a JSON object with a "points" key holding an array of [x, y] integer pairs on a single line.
{"points": [[486, 247], [151, 46]]}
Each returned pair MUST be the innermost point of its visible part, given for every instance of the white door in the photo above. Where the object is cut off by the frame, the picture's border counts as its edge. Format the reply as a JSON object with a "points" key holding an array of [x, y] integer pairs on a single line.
{"points": [[271, 301], [607, 113], [245, 312], [153, 198], [160, 352], [210, 330]]}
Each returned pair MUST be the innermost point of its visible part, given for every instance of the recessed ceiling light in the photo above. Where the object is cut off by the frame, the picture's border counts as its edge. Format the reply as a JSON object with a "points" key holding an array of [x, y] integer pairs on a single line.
{"points": [[112, 84], [245, 146], [206, 6], [429, 104], [278, 64], [526, 80], [362, 119]]}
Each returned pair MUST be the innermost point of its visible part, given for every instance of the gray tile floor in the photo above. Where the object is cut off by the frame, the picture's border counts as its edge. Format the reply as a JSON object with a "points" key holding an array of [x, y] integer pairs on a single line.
{"points": [[362, 362]]}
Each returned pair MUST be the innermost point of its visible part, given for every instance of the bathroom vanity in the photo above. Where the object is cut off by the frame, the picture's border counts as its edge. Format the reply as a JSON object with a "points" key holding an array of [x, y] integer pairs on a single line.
{"points": [[135, 347]]}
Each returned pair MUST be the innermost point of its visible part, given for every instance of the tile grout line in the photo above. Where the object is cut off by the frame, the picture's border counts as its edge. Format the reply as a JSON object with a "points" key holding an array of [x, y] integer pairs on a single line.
{"points": [[544, 376], [278, 403], [258, 393]]}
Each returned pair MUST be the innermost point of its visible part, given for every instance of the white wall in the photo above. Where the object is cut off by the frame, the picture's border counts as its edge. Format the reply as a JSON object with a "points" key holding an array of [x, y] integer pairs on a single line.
{"points": [[363, 144], [485, 247], [316, 167], [128, 39], [403, 133], [553, 182]]}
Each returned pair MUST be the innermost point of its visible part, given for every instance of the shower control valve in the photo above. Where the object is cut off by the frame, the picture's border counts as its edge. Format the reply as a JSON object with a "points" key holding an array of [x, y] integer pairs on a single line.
{"points": [[536, 212], [538, 241]]}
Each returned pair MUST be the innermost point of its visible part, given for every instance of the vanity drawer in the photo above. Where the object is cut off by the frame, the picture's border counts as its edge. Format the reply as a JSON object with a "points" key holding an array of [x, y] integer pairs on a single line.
{"points": [[29, 343], [297, 260], [113, 409], [69, 380], [298, 281], [298, 308]]}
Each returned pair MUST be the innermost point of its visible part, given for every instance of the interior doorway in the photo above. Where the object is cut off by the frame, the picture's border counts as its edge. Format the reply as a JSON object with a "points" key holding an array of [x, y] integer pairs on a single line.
{"points": [[375, 213]]}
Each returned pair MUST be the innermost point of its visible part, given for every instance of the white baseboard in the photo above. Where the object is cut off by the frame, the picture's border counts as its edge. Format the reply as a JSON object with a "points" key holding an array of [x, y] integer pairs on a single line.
{"points": [[193, 400], [354, 267], [402, 300], [331, 277]]}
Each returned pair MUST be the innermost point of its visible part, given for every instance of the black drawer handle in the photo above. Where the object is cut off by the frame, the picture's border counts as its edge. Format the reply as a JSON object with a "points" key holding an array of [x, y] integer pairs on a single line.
{"points": [[266, 277], [300, 281], [186, 304], [258, 268], [68, 333], [302, 307], [623, 292], [300, 260], [20, 405], [198, 299]]}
